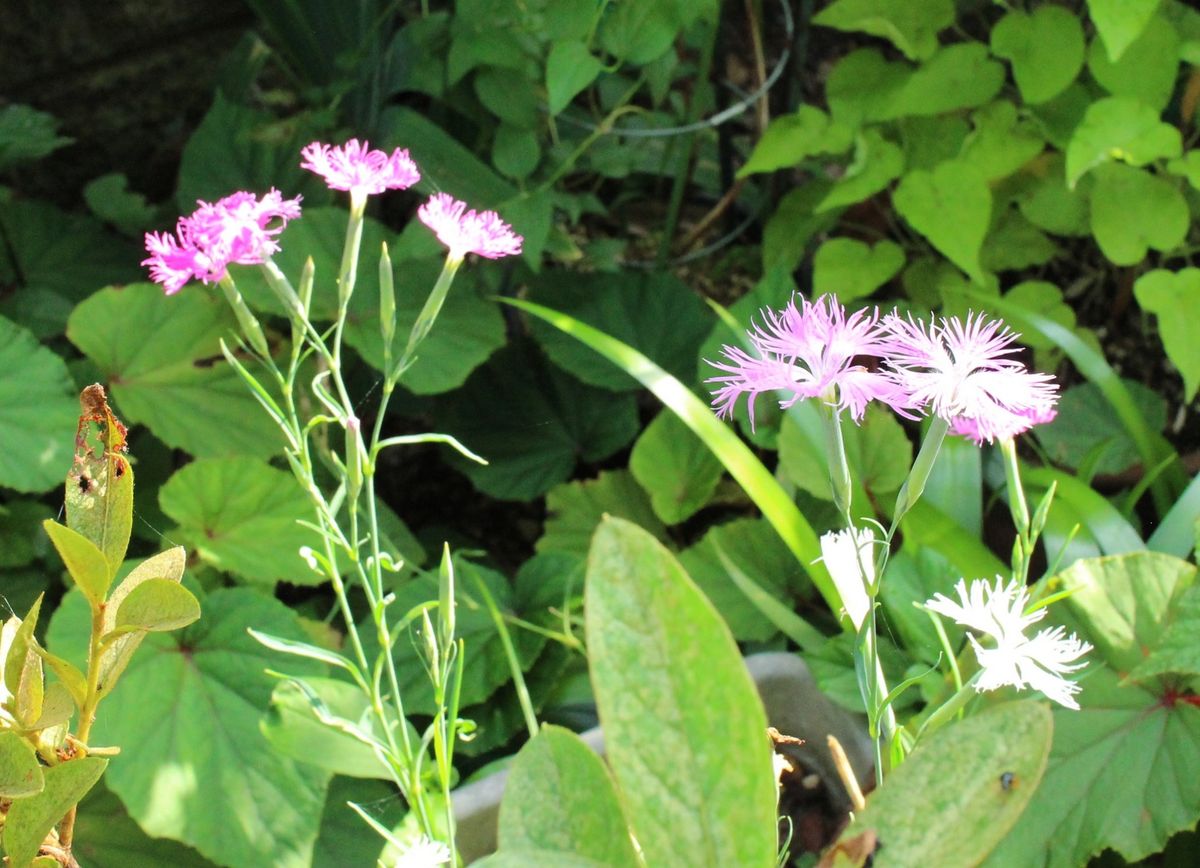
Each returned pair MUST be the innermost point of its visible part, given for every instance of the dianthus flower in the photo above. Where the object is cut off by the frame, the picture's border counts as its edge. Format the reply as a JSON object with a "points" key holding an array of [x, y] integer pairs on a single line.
{"points": [[810, 351], [849, 555], [965, 374], [358, 169], [468, 231], [240, 228], [999, 612]]}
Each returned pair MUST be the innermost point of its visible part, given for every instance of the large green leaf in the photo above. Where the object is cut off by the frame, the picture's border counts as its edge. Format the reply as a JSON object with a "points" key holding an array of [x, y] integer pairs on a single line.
{"points": [[1147, 69], [1175, 298], [1120, 22], [161, 357], [911, 27], [194, 765], [1178, 647], [850, 269], [38, 411], [573, 509], [241, 516], [294, 730], [952, 207], [559, 797], [754, 548], [675, 467], [684, 727], [30, 819], [792, 137], [954, 799], [1045, 48], [532, 423], [1120, 128], [630, 307], [1133, 210], [1085, 423], [51, 260], [107, 837]]}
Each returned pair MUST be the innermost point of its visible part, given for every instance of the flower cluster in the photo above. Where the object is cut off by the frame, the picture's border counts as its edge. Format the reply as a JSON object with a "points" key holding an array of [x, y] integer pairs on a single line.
{"points": [[237, 229], [960, 371], [243, 229], [999, 612]]}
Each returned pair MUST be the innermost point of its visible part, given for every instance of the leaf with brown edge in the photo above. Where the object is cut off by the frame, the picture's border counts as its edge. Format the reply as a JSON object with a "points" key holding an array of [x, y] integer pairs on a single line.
{"points": [[99, 492]]}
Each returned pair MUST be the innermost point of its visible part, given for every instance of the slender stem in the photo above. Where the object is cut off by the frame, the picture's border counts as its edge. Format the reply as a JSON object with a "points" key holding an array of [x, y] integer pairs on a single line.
{"points": [[87, 714]]}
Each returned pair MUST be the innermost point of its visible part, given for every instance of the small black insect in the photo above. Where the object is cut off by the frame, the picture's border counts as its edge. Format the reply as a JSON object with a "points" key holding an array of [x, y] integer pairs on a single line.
{"points": [[1008, 781]]}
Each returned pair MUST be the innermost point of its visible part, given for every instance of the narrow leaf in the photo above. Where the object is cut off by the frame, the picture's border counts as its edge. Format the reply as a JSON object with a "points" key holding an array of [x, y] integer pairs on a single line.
{"points": [[85, 562]]}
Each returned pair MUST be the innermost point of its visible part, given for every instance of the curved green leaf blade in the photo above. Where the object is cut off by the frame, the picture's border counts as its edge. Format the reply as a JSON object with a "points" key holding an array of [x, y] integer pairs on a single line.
{"points": [[741, 463], [684, 727], [951, 803], [294, 730], [37, 409], [559, 797]]}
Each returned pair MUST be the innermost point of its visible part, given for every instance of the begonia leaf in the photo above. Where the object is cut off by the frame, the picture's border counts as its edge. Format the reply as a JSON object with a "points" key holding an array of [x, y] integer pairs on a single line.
{"points": [[574, 509], [172, 377], [1119, 128], [1147, 69], [996, 759], [107, 837], [493, 415], [678, 471], [694, 772], [1045, 48], [1117, 776], [193, 699], [952, 207], [1133, 210], [629, 307], [560, 798], [911, 27], [27, 134], [37, 406], [1120, 22], [1178, 647], [51, 260], [242, 516], [21, 542], [1175, 297]]}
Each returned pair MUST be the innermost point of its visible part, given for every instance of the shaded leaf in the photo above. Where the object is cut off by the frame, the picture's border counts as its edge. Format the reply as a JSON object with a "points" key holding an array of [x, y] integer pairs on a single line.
{"points": [[29, 820], [674, 466], [1175, 298]]}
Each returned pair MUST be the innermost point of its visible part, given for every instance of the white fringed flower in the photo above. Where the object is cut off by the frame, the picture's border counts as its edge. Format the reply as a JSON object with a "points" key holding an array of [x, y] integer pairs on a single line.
{"points": [[424, 853], [848, 568], [999, 612]]}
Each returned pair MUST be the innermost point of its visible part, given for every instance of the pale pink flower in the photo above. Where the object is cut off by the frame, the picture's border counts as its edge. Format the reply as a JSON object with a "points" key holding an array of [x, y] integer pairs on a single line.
{"points": [[466, 231], [999, 612], [809, 351], [241, 228], [360, 170], [964, 373]]}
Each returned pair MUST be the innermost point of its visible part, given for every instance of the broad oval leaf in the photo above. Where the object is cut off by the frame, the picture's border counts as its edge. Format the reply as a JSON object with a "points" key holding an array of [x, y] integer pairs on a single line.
{"points": [[29, 820], [1133, 210], [157, 605], [86, 563], [955, 797], [559, 797], [20, 771], [684, 727]]}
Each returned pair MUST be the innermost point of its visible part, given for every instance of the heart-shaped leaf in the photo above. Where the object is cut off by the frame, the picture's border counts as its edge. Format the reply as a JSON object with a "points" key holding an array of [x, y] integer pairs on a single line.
{"points": [[678, 471], [790, 138], [1133, 210], [1120, 128], [570, 68], [911, 27], [1045, 48], [850, 269], [1147, 69], [1120, 22], [951, 206], [1175, 298]]}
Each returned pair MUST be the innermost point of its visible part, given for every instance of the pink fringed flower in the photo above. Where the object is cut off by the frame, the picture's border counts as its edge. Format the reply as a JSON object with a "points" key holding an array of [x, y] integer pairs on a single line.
{"points": [[240, 228], [466, 231], [965, 374], [809, 351], [361, 171]]}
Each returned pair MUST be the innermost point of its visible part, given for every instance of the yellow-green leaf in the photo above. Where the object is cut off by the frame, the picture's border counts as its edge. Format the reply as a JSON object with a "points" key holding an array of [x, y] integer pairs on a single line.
{"points": [[85, 562], [158, 605]]}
